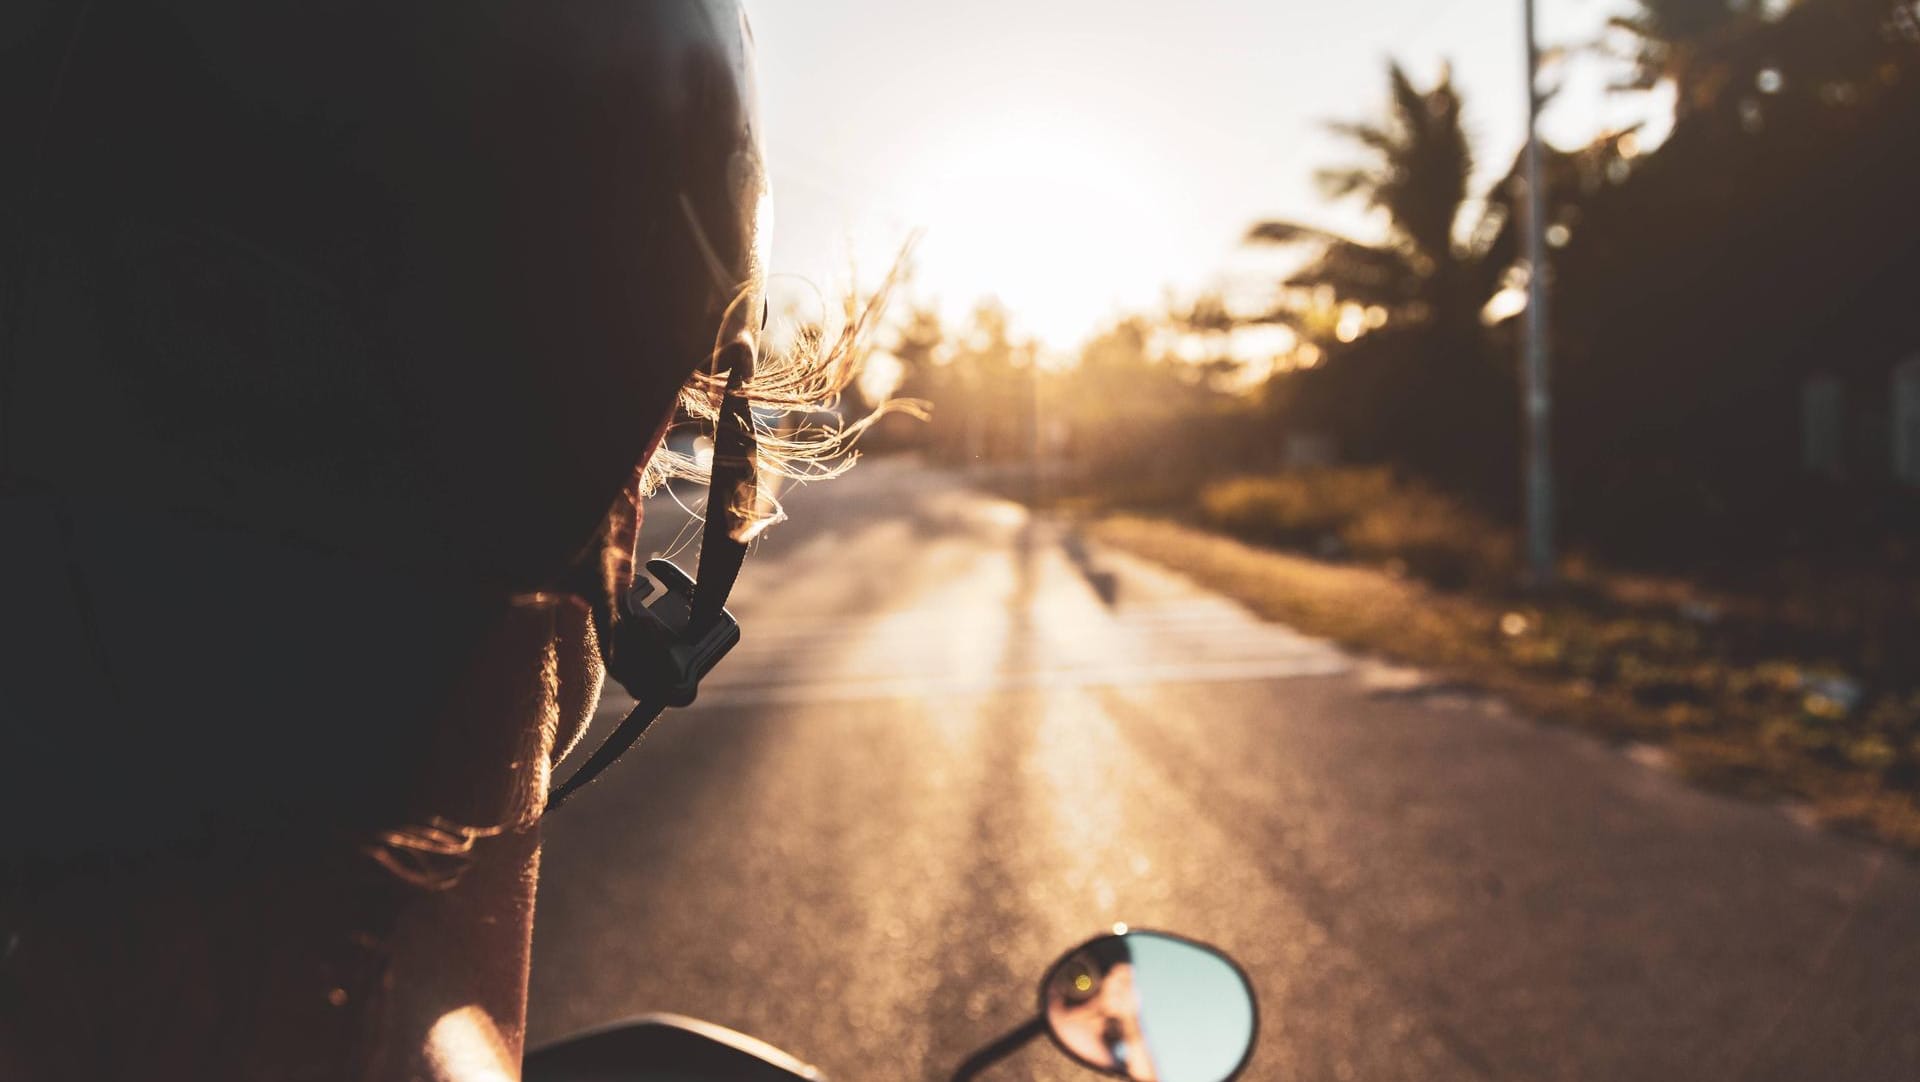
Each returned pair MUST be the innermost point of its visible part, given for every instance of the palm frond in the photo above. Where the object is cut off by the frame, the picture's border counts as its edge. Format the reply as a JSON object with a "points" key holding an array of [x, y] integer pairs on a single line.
{"points": [[1342, 183], [1409, 104], [1360, 273], [1278, 232], [1383, 141]]}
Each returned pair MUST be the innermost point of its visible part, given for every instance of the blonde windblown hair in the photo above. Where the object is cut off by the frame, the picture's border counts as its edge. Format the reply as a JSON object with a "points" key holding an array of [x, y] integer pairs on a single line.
{"points": [[805, 377]]}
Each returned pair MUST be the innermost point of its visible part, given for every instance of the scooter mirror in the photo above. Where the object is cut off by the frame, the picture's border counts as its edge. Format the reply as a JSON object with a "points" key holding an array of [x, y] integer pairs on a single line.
{"points": [[1151, 1007]]}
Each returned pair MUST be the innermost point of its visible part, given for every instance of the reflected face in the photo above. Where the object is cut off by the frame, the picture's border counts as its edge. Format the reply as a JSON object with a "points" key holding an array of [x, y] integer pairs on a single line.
{"points": [[1094, 1009]]}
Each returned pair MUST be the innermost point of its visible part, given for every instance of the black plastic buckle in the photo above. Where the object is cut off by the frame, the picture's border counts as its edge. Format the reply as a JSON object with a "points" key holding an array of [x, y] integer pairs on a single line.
{"points": [[655, 656]]}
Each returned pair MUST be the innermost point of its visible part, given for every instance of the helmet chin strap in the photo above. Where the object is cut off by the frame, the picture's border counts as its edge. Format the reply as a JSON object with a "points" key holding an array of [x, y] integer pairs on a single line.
{"points": [[659, 651]]}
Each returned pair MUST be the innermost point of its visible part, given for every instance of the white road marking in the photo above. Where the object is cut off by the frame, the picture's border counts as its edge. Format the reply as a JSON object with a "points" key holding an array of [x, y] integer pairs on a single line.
{"points": [[925, 655]]}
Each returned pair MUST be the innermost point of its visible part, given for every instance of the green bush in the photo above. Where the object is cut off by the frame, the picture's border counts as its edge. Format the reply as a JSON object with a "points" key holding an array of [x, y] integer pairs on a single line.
{"points": [[1365, 513], [1299, 509]]}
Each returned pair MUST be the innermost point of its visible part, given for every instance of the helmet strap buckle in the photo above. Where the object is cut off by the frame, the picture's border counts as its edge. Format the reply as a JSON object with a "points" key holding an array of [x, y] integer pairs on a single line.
{"points": [[658, 655]]}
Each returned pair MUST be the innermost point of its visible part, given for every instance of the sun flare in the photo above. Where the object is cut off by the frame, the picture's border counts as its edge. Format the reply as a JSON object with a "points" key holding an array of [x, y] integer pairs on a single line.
{"points": [[1029, 209]]}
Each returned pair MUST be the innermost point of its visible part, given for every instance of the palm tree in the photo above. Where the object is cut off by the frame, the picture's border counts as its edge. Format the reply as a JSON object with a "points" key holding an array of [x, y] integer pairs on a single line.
{"points": [[1684, 42], [1409, 376], [1425, 271]]}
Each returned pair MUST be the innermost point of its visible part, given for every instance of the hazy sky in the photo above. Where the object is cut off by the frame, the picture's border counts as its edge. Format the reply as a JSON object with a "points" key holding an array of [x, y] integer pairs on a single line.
{"points": [[1077, 157]]}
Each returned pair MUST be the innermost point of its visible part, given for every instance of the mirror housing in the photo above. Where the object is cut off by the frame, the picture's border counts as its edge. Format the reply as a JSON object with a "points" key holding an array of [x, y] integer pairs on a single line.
{"points": [[1151, 1007]]}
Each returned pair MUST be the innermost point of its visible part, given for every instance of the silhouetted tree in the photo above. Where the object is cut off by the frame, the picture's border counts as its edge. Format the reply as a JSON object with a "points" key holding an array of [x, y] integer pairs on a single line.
{"points": [[1685, 42], [917, 341], [916, 345], [1416, 171], [980, 383], [1407, 374], [1768, 242]]}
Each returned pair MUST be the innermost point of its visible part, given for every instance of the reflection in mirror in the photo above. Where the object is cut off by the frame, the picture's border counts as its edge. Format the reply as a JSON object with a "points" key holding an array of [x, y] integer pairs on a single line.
{"points": [[1151, 1007]]}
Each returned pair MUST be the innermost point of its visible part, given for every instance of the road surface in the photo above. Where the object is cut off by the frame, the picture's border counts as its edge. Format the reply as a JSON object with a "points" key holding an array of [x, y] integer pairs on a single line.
{"points": [[940, 757]]}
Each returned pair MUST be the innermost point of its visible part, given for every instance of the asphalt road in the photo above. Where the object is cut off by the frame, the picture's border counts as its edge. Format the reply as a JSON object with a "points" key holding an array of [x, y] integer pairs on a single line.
{"points": [[940, 757]]}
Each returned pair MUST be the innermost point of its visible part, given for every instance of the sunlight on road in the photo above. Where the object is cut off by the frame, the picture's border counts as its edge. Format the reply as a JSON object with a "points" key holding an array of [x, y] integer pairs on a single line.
{"points": [[973, 619], [956, 739]]}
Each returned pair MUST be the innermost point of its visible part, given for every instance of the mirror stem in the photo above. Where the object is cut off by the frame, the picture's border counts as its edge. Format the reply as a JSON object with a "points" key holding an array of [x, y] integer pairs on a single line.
{"points": [[1006, 1045]]}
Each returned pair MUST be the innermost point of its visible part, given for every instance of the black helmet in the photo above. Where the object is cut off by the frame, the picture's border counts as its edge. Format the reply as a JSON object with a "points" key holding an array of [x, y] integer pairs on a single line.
{"points": [[331, 328]]}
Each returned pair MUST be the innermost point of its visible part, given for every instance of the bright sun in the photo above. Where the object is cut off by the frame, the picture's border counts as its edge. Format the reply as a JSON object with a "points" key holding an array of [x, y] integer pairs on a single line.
{"points": [[1020, 212]]}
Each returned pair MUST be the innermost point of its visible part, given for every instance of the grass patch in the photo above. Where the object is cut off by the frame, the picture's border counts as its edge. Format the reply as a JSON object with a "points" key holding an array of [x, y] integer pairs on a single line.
{"points": [[1364, 513], [1726, 694]]}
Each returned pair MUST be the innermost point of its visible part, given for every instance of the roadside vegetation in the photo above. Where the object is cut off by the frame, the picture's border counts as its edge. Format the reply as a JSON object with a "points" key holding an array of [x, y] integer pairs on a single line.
{"points": [[1757, 695]]}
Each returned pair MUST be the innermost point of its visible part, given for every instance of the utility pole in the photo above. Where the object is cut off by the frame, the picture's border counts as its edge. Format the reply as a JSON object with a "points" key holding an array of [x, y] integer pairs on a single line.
{"points": [[1536, 398], [1036, 483]]}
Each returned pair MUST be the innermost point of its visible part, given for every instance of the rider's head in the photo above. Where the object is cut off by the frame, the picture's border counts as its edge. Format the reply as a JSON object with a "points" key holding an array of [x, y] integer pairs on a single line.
{"points": [[342, 328], [336, 336]]}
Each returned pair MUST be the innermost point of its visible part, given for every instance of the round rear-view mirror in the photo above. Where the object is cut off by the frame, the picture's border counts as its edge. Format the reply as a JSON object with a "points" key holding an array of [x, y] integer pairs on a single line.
{"points": [[1151, 1007]]}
